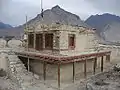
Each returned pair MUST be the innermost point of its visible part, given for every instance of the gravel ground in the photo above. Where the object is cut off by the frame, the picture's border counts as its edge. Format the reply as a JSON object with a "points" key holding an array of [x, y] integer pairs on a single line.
{"points": [[109, 80], [7, 84]]}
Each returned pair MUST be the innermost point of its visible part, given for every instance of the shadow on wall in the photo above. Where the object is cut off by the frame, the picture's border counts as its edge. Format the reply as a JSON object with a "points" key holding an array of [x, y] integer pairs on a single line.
{"points": [[2, 73]]}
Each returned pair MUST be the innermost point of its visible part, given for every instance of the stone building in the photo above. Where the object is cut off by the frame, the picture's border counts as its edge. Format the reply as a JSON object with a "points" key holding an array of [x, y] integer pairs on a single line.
{"points": [[62, 39], [62, 52]]}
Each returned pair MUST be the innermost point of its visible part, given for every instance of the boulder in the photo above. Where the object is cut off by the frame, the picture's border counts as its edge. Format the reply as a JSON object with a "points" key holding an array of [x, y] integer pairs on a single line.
{"points": [[116, 67], [14, 43], [3, 43]]}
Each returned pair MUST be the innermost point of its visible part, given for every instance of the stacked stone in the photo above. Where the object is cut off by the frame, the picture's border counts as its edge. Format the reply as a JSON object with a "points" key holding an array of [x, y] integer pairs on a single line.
{"points": [[24, 78]]}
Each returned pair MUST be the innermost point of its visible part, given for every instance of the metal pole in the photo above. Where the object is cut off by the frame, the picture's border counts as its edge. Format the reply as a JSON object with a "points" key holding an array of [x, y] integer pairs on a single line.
{"points": [[28, 63]]}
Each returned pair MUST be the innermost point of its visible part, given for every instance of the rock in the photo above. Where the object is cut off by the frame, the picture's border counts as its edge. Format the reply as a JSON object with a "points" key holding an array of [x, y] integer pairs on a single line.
{"points": [[14, 43], [101, 83], [3, 43], [116, 67]]}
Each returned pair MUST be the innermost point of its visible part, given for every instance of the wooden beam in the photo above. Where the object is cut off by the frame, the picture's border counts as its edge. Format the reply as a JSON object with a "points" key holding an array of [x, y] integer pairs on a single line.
{"points": [[73, 72], [44, 70], [85, 68], [94, 65], [59, 76], [102, 63]]}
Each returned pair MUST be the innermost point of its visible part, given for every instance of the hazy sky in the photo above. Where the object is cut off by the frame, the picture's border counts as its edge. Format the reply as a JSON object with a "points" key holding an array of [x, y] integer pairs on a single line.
{"points": [[13, 11]]}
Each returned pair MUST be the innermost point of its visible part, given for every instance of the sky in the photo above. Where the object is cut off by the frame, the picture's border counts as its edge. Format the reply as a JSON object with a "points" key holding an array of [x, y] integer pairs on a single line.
{"points": [[13, 12]]}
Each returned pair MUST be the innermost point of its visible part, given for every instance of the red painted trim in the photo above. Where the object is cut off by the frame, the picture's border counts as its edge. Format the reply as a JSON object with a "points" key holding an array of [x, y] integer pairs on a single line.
{"points": [[63, 59]]}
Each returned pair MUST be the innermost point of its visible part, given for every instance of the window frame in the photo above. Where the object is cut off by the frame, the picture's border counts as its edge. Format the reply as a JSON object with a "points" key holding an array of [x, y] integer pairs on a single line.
{"points": [[72, 42]]}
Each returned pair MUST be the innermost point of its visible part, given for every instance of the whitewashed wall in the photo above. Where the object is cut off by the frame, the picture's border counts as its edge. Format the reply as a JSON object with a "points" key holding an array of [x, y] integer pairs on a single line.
{"points": [[83, 43]]}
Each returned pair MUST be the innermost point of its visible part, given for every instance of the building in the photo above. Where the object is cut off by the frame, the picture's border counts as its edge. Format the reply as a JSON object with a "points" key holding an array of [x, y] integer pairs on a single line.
{"points": [[62, 39], [62, 52]]}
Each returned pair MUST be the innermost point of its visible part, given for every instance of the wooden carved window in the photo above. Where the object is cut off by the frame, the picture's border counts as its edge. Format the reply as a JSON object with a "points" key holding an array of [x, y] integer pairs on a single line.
{"points": [[49, 41], [30, 40], [71, 43]]}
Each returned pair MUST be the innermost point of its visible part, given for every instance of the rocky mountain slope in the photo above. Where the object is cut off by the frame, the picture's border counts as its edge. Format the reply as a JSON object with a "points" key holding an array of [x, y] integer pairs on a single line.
{"points": [[108, 27], [54, 15], [57, 15], [16, 32], [100, 21], [111, 32], [4, 26]]}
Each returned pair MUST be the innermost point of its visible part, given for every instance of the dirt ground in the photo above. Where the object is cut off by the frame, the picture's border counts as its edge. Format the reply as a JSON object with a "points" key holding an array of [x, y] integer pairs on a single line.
{"points": [[7, 84]]}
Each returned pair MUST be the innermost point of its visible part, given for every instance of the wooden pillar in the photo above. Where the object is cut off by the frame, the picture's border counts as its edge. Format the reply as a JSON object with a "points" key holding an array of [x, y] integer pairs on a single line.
{"points": [[94, 65], [85, 68], [44, 70], [34, 41], [108, 58], [43, 40], [28, 64], [27, 42], [73, 72], [59, 76], [102, 64]]}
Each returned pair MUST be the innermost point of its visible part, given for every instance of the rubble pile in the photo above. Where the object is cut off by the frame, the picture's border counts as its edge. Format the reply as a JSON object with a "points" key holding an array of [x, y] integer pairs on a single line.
{"points": [[14, 75], [109, 80], [7, 84], [18, 73]]}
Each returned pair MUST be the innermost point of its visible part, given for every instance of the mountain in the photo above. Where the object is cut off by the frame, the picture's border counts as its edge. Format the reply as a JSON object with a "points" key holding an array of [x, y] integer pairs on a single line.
{"points": [[17, 32], [111, 32], [107, 27], [8, 30], [57, 15], [100, 21], [4, 26], [53, 15]]}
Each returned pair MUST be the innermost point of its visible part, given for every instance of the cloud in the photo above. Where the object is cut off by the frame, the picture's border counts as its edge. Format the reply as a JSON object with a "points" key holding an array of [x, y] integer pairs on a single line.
{"points": [[13, 11], [111, 6]]}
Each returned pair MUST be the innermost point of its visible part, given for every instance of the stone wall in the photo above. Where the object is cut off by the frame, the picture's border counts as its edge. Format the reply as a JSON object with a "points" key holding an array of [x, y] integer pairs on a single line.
{"points": [[83, 43], [115, 51], [66, 70], [3, 62], [37, 68]]}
